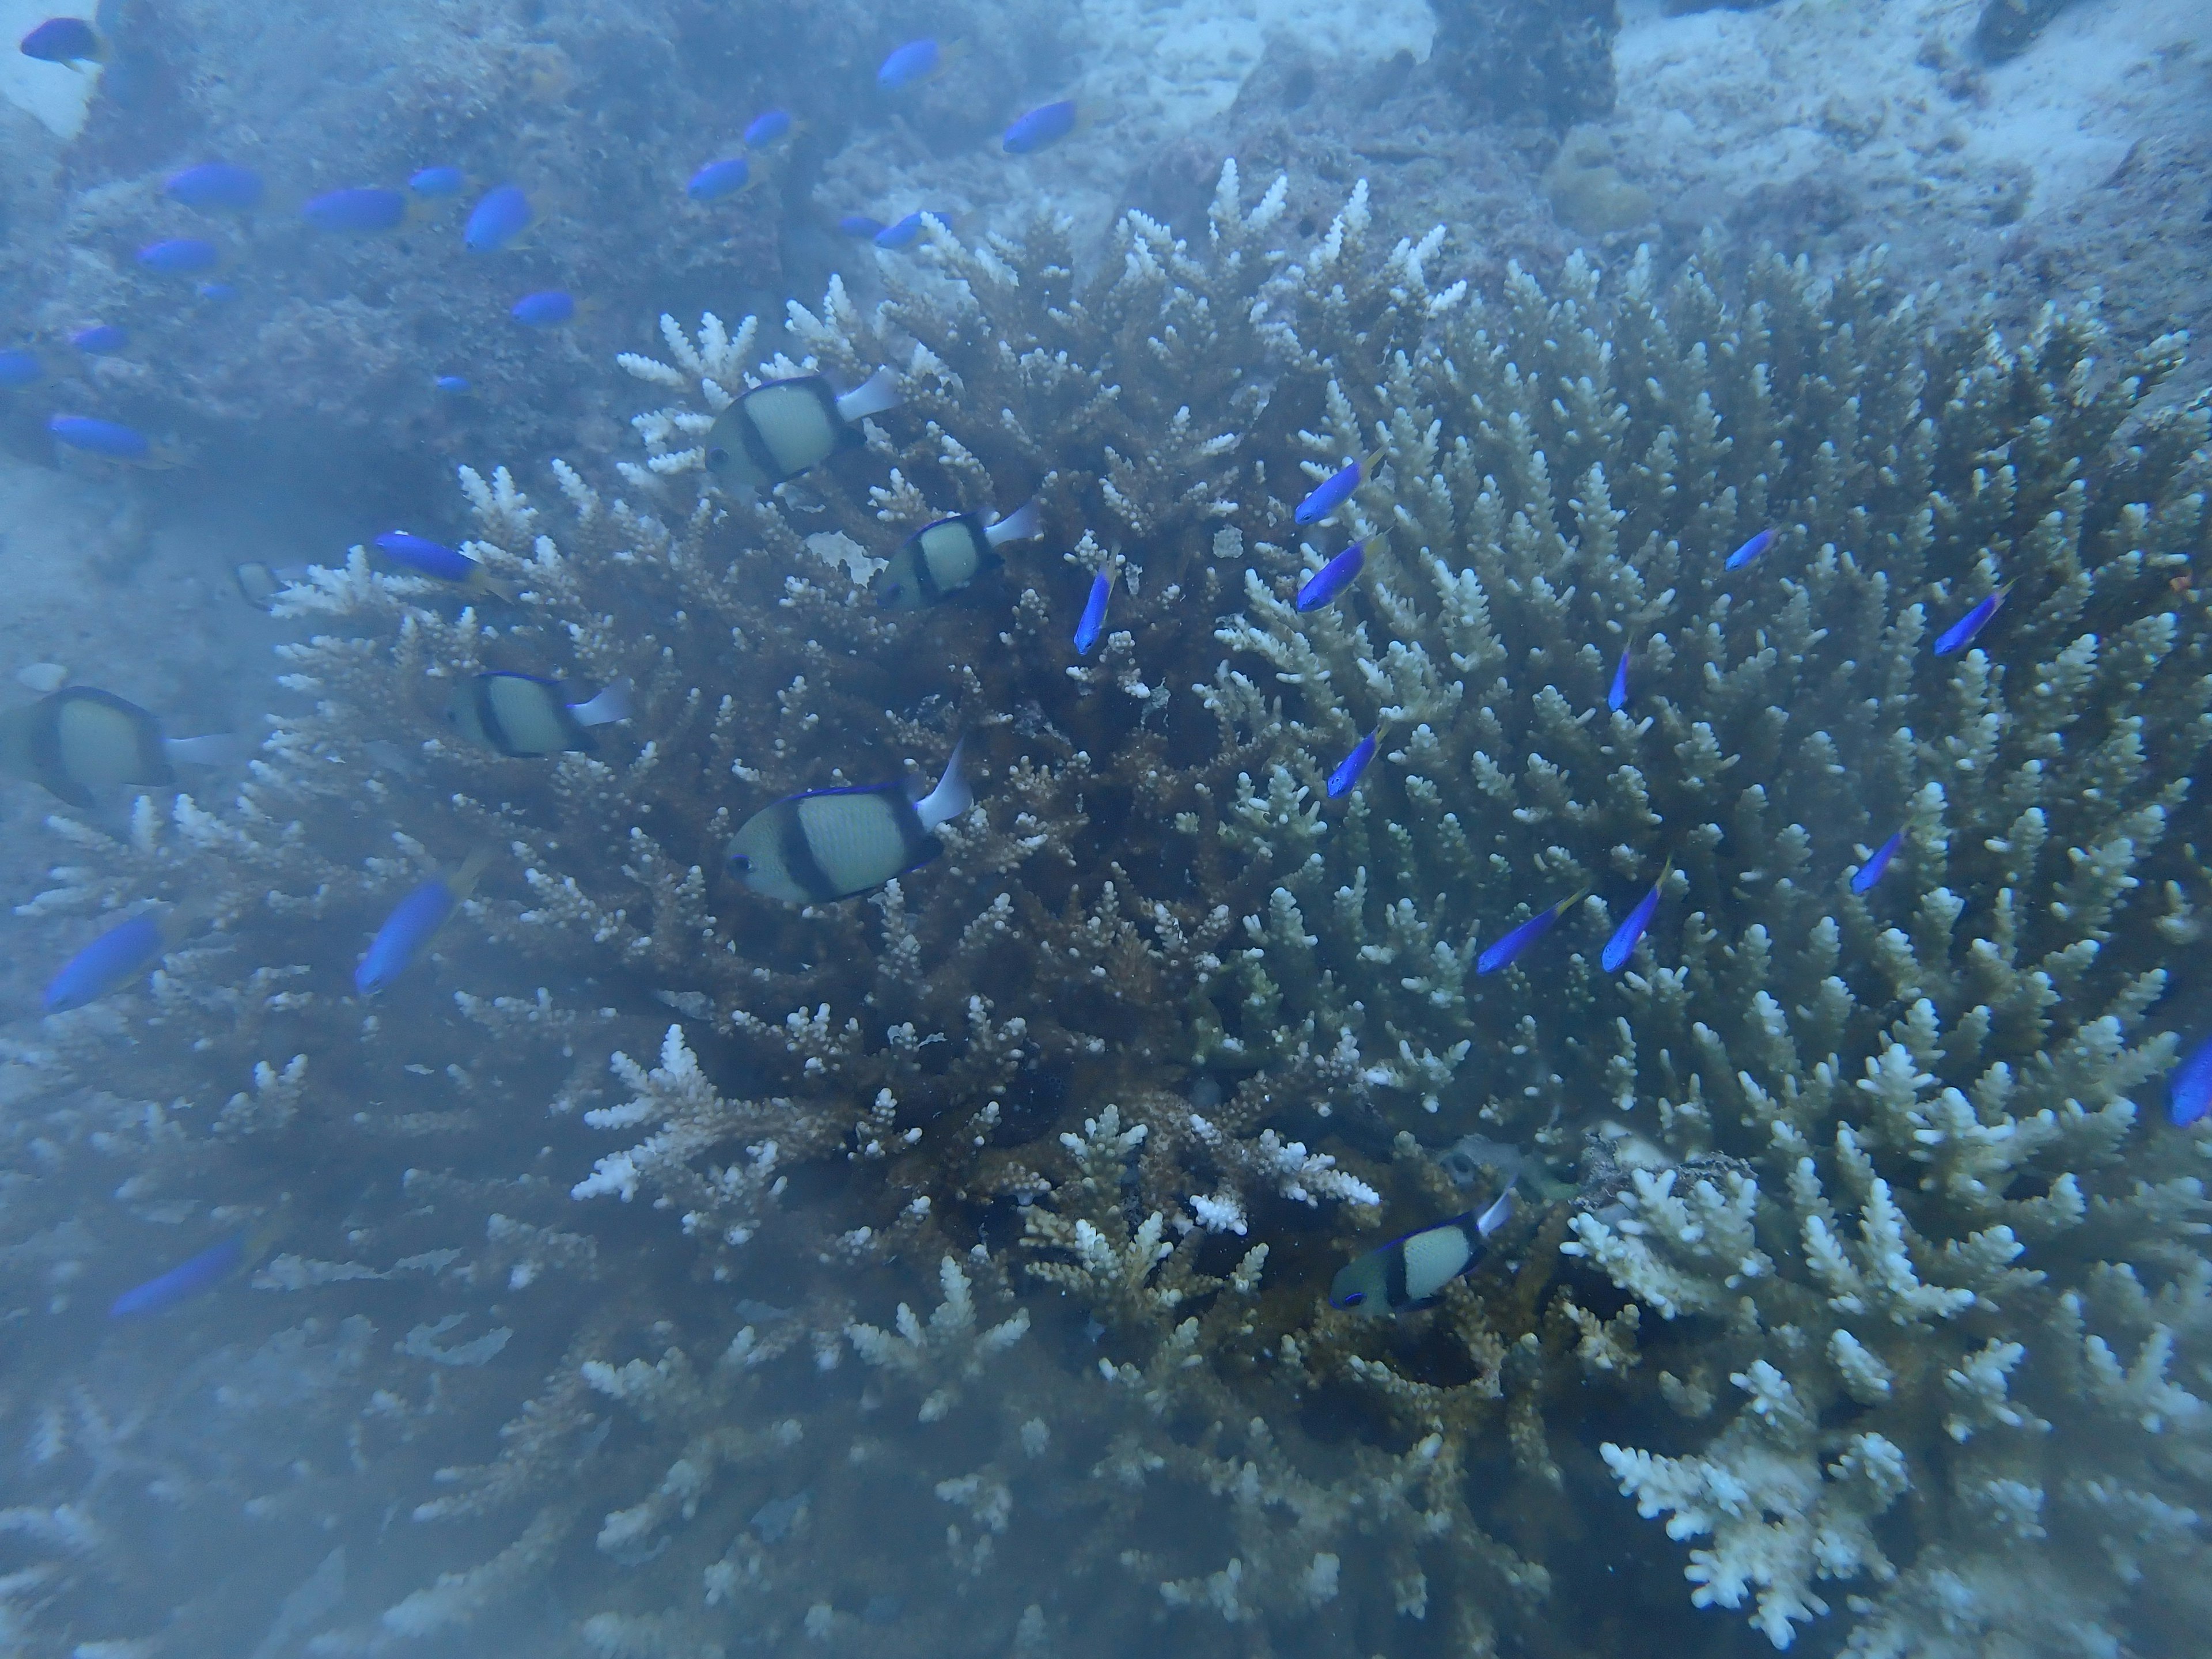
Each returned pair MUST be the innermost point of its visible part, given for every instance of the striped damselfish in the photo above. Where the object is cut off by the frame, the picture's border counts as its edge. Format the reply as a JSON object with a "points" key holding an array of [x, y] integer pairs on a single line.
{"points": [[81, 744], [830, 844], [521, 715], [781, 428], [1410, 1271], [944, 557]]}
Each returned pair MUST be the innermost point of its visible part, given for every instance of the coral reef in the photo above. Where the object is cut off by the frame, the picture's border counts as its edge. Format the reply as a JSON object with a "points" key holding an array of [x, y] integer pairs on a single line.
{"points": [[1550, 60], [948, 1273]]}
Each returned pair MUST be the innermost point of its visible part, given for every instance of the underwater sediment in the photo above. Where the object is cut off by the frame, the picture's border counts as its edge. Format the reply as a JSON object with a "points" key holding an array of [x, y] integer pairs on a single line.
{"points": [[946, 1270]]}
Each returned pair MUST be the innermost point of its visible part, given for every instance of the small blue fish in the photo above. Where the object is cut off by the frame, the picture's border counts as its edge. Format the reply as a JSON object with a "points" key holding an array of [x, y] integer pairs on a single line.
{"points": [[720, 178], [101, 340], [1863, 878], [180, 256], [1960, 633], [1624, 938], [428, 558], [1094, 611], [1526, 934], [503, 214], [2189, 1090], [904, 232], [1617, 698], [1348, 770], [767, 127], [358, 209], [216, 293], [1334, 490], [203, 1272], [435, 183], [1332, 578], [19, 368], [98, 437], [908, 65], [1041, 128], [1750, 550], [412, 922], [68, 40], [213, 185], [544, 309], [453, 385], [861, 226], [116, 957]]}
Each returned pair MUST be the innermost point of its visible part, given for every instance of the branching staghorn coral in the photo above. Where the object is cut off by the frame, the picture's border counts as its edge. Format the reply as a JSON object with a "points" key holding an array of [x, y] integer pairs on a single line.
{"points": [[1872, 1227]]}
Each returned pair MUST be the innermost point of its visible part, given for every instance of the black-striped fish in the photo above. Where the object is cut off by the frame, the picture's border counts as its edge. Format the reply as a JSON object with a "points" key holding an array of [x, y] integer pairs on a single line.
{"points": [[944, 557], [780, 429], [833, 843], [1409, 1271], [81, 744], [521, 715]]}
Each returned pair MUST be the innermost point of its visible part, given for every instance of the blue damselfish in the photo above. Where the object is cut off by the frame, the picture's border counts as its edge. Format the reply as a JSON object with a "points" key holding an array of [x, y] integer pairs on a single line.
{"points": [[202, 1272], [1750, 550], [1093, 622], [1334, 490], [1041, 128], [1526, 934], [116, 957], [95, 436], [1332, 578], [1863, 878], [1960, 633], [1617, 698], [412, 922], [1617, 948], [213, 185], [719, 178], [503, 214], [1349, 768], [2189, 1090], [544, 309]]}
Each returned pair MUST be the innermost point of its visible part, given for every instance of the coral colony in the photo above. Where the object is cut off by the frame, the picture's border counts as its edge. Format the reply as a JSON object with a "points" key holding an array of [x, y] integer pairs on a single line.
{"points": [[946, 1269]]}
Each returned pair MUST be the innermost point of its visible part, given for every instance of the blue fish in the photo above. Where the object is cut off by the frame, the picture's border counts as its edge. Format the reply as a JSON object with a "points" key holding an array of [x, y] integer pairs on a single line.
{"points": [[503, 214], [767, 127], [1332, 578], [215, 185], [434, 183], [910, 64], [1041, 128], [216, 293], [453, 385], [904, 231], [98, 437], [544, 309], [1617, 698], [1960, 633], [1525, 935], [116, 957], [860, 225], [720, 178], [21, 369], [1863, 878], [428, 558], [1750, 550], [203, 1272], [101, 340], [412, 922], [1624, 938], [2189, 1090], [1094, 611], [1334, 490], [362, 209], [180, 256], [69, 40], [1349, 768]]}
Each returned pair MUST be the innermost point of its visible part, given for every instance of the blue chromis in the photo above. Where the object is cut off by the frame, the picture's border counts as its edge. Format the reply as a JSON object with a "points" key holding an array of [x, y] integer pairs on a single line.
{"points": [[360, 209], [434, 184], [1616, 699], [719, 178], [1348, 770], [1092, 622], [2189, 1090], [180, 256], [1335, 489], [503, 214], [1960, 633], [100, 339], [767, 127], [19, 367], [428, 558], [188, 1278], [412, 922], [1750, 550], [544, 309], [830, 844], [453, 385], [520, 714], [119, 955], [1617, 948], [1410, 1271], [80, 744], [910, 64], [117, 441], [1498, 954], [1043, 127], [861, 226], [944, 556], [907, 229], [1863, 878], [781, 428], [69, 40], [1332, 578], [215, 185]]}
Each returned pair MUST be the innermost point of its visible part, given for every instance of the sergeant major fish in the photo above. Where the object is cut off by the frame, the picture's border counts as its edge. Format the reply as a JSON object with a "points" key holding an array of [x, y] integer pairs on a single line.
{"points": [[829, 844]]}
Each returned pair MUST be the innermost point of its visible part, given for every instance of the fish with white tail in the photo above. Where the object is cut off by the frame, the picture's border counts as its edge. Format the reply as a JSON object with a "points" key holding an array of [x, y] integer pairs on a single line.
{"points": [[942, 558], [522, 715], [83, 745], [1410, 1271], [782, 428], [830, 844]]}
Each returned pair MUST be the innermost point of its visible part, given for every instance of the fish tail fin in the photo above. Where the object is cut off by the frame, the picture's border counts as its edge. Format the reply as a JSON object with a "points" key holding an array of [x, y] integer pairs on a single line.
{"points": [[1497, 1214], [1025, 523], [220, 748], [463, 881], [952, 795], [879, 393], [616, 702], [1374, 459]]}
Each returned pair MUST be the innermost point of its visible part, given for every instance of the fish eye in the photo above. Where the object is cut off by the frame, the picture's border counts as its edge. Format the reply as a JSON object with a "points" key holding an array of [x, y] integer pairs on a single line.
{"points": [[1353, 1298], [718, 457], [740, 863], [891, 593]]}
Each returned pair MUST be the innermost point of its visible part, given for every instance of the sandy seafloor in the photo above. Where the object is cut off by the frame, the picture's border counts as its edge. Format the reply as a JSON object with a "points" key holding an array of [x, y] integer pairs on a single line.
{"points": [[1827, 124]]}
